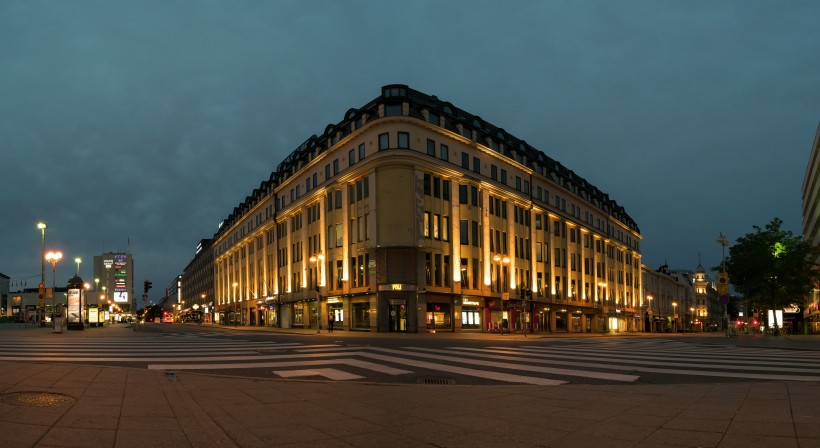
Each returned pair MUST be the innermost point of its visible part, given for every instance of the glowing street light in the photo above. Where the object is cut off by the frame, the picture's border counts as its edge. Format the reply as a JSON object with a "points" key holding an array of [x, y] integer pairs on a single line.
{"points": [[317, 259], [53, 258], [235, 284], [692, 323], [501, 261], [78, 260], [675, 313]]}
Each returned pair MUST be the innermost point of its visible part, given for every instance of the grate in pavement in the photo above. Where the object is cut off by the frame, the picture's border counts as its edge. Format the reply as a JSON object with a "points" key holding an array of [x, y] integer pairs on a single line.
{"points": [[436, 380], [37, 399]]}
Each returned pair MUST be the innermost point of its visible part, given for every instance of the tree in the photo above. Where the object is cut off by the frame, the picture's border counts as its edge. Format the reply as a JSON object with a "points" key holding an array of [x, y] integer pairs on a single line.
{"points": [[772, 268]]}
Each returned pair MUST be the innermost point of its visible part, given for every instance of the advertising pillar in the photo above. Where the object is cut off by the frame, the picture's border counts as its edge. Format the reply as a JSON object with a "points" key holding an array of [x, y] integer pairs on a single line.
{"points": [[75, 303]]}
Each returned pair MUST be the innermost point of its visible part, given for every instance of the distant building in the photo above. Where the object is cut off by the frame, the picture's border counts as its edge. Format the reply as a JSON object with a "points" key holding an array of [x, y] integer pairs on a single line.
{"points": [[198, 285], [811, 226], [113, 282]]}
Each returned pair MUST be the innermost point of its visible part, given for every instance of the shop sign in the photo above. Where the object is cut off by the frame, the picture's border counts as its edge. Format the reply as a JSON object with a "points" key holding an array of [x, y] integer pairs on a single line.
{"points": [[792, 309], [469, 302], [333, 300], [397, 287]]}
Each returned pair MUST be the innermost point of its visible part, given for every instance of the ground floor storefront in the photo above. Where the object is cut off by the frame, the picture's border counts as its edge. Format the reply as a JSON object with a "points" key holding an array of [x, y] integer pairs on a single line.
{"points": [[404, 310]]}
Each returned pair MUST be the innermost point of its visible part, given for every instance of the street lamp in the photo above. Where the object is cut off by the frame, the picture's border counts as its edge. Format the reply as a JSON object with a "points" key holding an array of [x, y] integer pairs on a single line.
{"points": [[202, 304], [723, 241], [502, 261], [651, 317], [692, 322], [675, 313], [317, 259], [235, 284], [42, 226], [78, 260], [53, 258]]}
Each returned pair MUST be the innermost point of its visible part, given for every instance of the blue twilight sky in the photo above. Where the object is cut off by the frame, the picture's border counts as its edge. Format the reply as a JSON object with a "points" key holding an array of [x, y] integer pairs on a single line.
{"points": [[141, 124]]}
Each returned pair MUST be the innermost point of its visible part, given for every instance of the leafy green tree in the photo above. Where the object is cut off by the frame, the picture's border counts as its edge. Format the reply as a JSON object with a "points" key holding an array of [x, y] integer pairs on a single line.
{"points": [[772, 268]]}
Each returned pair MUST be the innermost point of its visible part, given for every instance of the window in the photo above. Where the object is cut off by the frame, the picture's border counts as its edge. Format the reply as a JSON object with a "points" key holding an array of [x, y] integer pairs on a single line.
{"points": [[462, 194], [330, 239], [493, 172], [351, 157], [327, 171], [504, 176], [384, 141], [338, 200], [436, 187], [426, 225], [436, 226], [476, 165], [476, 237], [336, 167], [464, 237], [404, 140], [427, 180], [361, 152], [474, 195], [438, 269], [445, 190], [518, 183], [445, 228], [431, 147], [445, 153], [465, 160], [392, 110]]}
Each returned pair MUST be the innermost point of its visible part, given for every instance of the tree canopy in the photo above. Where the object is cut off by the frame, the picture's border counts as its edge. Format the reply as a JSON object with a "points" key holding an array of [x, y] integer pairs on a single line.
{"points": [[772, 268]]}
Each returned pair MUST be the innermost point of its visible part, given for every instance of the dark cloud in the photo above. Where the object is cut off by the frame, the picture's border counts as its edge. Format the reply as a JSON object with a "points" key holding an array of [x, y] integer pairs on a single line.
{"points": [[147, 122]]}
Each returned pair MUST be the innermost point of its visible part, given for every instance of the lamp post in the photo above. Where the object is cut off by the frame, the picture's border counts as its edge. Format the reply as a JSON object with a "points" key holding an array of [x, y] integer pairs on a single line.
{"points": [[692, 322], [78, 260], [53, 258], [675, 314], [202, 305], [42, 226], [602, 286], [317, 259], [502, 261], [651, 317], [724, 293], [235, 284]]}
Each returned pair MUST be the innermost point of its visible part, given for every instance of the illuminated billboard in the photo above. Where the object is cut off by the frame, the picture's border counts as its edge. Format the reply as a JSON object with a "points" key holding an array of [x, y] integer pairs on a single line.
{"points": [[119, 265]]}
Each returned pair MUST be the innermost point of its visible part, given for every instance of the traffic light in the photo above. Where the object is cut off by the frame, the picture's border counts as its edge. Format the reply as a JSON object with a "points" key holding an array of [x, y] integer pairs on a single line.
{"points": [[147, 286]]}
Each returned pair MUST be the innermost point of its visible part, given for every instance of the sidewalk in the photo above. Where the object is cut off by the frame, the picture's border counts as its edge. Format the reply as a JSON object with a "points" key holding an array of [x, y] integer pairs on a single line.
{"points": [[125, 407]]}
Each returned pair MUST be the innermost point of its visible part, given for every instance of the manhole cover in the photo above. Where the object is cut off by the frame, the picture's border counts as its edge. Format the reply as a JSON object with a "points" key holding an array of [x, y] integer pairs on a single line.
{"points": [[436, 381], [36, 399]]}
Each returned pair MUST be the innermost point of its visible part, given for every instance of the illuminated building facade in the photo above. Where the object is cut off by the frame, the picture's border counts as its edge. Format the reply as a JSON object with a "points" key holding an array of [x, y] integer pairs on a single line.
{"points": [[412, 215], [811, 227], [197, 284], [114, 282]]}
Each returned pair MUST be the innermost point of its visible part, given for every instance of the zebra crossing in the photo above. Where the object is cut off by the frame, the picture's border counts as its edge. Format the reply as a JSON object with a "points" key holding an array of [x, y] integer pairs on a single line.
{"points": [[615, 361]]}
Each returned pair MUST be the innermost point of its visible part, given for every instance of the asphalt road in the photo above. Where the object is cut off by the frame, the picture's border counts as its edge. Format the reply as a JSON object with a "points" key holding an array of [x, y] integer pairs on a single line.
{"points": [[441, 358]]}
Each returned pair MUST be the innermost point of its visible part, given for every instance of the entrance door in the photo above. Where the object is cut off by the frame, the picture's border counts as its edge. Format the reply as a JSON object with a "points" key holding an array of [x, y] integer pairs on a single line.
{"points": [[398, 318]]}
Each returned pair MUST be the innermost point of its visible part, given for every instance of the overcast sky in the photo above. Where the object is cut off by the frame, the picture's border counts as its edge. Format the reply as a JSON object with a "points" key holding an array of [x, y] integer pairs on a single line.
{"points": [[140, 125]]}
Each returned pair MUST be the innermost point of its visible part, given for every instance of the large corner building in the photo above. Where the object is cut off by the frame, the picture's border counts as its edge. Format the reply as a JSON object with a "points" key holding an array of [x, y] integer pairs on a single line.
{"points": [[412, 215]]}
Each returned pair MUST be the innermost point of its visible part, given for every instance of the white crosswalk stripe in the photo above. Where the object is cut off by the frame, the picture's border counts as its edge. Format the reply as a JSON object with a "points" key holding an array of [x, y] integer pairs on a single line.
{"points": [[541, 362]]}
